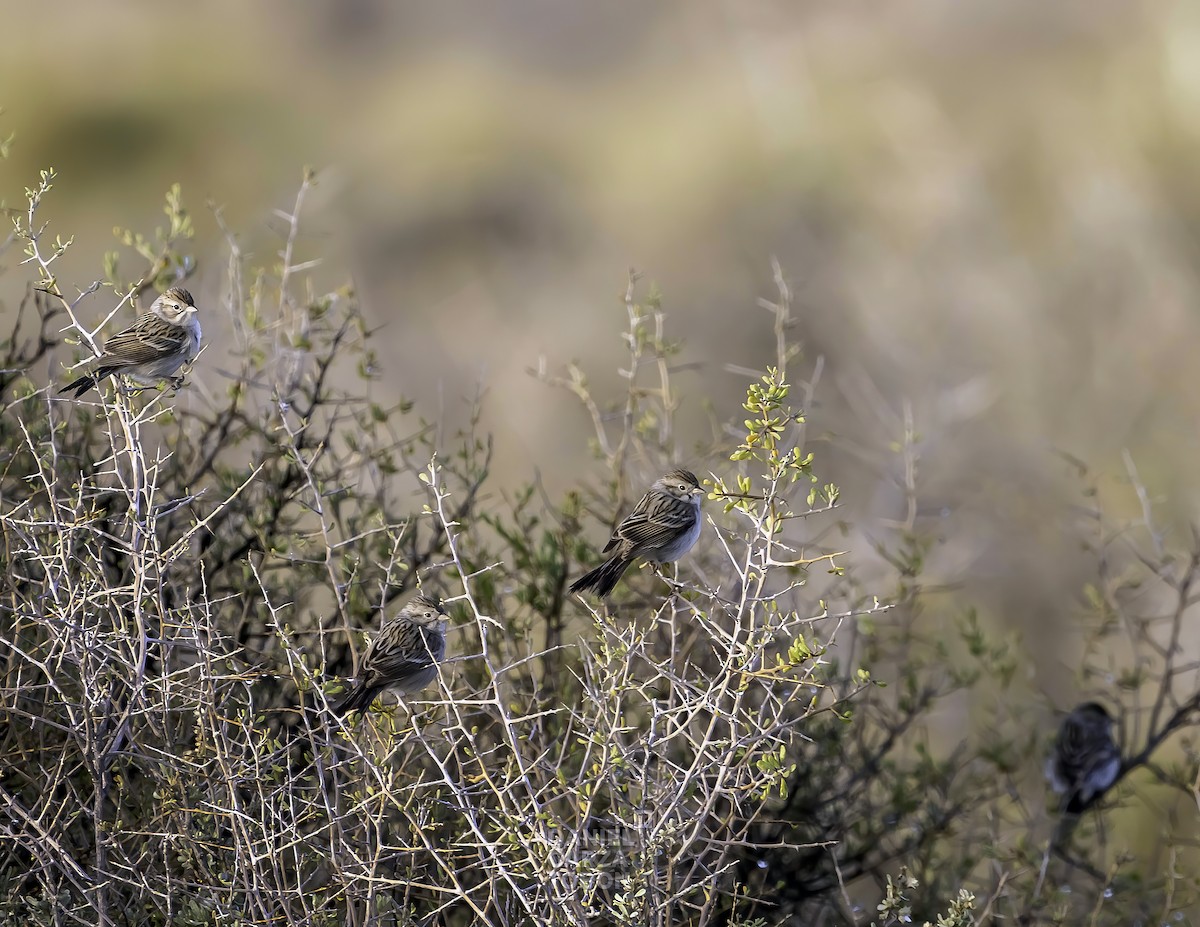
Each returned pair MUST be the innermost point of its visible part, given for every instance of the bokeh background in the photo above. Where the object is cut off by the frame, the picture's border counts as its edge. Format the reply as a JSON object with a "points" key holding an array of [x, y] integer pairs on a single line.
{"points": [[988, 209]]}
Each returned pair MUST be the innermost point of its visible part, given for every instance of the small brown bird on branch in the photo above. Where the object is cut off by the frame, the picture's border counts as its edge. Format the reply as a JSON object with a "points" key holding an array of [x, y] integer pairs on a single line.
{"points": [[662, 527], [403, 657], [1086, 760], [152, 349]]}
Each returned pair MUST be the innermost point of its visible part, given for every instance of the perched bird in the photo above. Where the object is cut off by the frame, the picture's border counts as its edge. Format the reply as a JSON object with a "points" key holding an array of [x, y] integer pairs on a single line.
{"points": [[1085, 764], [662, 528], [153, 348], [1086, 761], [403, 657]]}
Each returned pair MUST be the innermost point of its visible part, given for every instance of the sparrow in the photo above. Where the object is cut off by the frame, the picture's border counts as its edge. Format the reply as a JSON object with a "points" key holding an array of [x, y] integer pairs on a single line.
{"points": [[153, 348], [662, 527], [403, 657], [1086, 761]]}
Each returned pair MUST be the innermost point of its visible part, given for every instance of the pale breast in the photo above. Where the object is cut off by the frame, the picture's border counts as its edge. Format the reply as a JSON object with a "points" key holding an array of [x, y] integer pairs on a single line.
{"points": [[685, 542], [193, 345]]}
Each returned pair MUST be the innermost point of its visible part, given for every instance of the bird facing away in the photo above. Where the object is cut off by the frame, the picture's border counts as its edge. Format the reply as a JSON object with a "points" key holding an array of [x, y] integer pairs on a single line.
{"points": [[153, 348], [661, 528], [403, 657], [1086, 760]]}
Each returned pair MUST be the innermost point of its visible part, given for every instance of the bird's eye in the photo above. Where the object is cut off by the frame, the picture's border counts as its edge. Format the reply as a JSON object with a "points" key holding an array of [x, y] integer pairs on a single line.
{"points": [[682, 487]]}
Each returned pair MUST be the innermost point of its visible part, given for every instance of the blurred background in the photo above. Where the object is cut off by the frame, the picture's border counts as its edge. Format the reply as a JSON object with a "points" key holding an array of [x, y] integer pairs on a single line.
{"points": [[989, 209]]}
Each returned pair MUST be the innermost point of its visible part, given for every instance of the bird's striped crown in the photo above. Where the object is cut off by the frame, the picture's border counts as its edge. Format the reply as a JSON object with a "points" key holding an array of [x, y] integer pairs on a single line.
{"points": [[680, 475], [422, 602], [179, 294]]}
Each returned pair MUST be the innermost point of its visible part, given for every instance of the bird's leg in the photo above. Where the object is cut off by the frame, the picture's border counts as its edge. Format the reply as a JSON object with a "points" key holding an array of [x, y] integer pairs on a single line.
{"points": [[676, 585], [130, 388], [672, 579], [661, 570]]}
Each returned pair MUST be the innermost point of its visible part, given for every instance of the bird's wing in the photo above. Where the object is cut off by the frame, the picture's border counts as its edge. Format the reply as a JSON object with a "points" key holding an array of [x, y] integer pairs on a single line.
{"points": [[656, 520], [637, 515], [639, 512], [395, 655], [148, 339], [1083, 750], [394, 667]]}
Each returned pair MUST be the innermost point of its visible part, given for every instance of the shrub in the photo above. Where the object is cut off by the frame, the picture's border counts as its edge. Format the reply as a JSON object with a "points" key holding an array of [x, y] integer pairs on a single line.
{"points": [[740, 740]]}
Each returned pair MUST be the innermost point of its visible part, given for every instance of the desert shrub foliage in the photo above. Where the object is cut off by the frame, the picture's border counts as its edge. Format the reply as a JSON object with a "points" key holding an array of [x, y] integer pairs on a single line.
{"points": [[742, 738]]}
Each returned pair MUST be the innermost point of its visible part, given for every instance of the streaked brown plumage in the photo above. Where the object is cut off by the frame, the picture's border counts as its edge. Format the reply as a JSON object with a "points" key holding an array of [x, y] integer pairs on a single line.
{"points": [[153, 348], [403, 657], [662, 527]]}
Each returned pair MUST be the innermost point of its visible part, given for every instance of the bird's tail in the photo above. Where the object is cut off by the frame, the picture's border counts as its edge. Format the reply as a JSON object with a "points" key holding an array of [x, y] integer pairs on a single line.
{"points": [[1055, 846], [86, 382], [1067, 822], [604, 578], [357, 699], [80, 386]]}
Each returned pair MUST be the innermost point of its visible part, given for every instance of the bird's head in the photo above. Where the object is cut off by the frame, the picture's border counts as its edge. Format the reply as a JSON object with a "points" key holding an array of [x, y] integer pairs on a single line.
{"points": [[174, 305], [680, 483], [425, 610]]}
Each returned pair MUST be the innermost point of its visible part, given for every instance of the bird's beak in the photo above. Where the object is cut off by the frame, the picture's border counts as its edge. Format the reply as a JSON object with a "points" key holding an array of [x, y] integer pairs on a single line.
{"points": [[699, 491], [191, 308]]}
